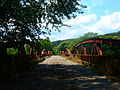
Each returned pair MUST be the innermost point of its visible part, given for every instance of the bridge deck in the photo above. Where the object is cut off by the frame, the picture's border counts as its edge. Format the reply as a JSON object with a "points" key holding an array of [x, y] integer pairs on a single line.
{"points": [[57, 73]]}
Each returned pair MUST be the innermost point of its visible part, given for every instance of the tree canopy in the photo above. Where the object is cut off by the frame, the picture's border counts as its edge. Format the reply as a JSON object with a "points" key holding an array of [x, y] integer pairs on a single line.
{"points": [[20, 19], [45, 44]]}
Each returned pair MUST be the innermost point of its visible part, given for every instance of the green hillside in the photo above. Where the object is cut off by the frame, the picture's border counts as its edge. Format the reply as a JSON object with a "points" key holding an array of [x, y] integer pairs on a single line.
{"points": [[114, 35], [69, 43]]}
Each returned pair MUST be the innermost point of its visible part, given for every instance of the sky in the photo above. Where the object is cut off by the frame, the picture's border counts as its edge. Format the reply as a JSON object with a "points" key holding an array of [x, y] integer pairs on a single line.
{"points": [[100, 16]]}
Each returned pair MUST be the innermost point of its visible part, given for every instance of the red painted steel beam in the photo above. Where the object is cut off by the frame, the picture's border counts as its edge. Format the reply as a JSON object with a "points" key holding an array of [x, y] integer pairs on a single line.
{"points": [[100, 40]]}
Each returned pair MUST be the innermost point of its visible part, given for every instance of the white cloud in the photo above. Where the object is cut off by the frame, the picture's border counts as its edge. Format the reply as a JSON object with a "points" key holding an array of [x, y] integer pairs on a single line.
{"points": [[64, 35], [76, 25], [42, 37], [106, 24], [87, 23], [82, 20]]}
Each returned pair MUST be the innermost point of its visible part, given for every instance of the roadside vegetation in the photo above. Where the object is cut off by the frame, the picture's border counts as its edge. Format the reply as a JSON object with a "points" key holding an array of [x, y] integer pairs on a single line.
{"points": [[76, 60]]}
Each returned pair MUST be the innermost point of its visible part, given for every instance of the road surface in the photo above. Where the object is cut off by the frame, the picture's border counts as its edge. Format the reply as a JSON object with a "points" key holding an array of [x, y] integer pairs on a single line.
{"points": [[57, 73]]}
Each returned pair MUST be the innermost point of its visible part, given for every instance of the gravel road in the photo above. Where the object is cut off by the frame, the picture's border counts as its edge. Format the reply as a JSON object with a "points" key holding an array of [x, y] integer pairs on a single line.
{"points": [[57, 73]]}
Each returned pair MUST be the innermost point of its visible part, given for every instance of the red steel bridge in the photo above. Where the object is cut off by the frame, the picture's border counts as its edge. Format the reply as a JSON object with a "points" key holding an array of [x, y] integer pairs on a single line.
{"points": [[92, 51], [100, 52], [20, 58]]}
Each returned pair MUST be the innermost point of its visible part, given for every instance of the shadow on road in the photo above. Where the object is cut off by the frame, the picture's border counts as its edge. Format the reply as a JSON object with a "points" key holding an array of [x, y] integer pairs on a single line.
{"points": [[59, 77]]}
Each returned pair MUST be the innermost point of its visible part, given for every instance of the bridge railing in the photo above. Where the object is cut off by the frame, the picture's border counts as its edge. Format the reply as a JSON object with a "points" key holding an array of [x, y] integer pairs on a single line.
{"points": [[97, 56], [107, 64]]}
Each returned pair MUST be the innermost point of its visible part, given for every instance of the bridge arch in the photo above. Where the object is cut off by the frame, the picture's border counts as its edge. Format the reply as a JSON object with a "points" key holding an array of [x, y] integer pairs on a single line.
{"points": [[108, 63], [96, 49]]}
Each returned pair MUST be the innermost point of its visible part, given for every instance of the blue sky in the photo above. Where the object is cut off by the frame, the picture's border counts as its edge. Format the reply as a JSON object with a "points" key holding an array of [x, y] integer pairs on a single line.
{"points": [[101, 16]]}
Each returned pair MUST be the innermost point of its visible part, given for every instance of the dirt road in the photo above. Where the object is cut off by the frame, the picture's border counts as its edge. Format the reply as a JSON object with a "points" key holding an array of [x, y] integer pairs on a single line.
{"points": [[57, 73]]}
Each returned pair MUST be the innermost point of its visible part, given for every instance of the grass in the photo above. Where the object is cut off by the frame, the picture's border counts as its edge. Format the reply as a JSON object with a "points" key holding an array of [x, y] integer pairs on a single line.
{"points": [[91, 68], [76, 60]]}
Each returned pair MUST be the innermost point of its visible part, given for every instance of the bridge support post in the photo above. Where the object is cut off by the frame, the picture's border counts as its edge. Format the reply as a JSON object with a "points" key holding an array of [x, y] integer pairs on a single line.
{"points": [[96, 49], [83, 50]]}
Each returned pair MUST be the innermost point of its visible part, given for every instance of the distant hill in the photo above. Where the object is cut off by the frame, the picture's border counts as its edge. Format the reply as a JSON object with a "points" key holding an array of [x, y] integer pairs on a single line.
{"points": [[113, 34], [69, 43], [55, 43]]}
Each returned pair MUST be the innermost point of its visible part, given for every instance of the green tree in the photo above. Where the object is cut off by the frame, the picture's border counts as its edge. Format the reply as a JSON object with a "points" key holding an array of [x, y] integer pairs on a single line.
{"points": [[29, 18], [22, 19], [45, 44], [90, 35], [12, 51], [27, 48], [56, 50]]}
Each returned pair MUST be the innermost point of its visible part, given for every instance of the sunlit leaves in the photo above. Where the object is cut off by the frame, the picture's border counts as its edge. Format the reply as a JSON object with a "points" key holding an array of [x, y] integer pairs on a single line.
{"points": [[29, 17]]}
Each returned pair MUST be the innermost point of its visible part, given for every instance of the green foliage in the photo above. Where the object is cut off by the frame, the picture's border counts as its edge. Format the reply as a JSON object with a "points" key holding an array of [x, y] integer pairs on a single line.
{"points": [[30, 18], [27, 48], [107, 50], [41, 44], [56, 51], [12, 51], [71, 42], [114, 35], [55, 43], [90, 35], [44, 44]]}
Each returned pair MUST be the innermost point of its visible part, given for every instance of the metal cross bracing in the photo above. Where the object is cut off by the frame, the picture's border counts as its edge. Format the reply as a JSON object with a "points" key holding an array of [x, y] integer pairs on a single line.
{"points": [[96, 45], [96, 53]]}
